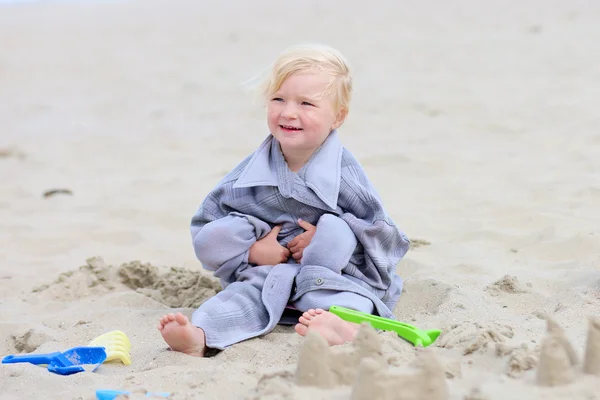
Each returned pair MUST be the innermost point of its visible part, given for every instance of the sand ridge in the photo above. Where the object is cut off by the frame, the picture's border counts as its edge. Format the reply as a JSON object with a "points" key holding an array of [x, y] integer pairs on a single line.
{"points": [[173, 286]]}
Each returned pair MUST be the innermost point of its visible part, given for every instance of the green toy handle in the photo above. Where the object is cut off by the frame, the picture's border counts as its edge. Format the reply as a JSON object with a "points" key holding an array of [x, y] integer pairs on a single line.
{"points": [[416, 336]]}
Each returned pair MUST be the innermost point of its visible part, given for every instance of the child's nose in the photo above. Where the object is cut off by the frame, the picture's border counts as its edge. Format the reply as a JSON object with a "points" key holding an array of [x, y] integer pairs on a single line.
{"points": [[290, 111]]}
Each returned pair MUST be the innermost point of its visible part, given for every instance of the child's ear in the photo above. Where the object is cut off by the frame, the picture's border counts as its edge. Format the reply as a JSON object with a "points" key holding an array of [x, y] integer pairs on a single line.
{"points": [[340, 117]]}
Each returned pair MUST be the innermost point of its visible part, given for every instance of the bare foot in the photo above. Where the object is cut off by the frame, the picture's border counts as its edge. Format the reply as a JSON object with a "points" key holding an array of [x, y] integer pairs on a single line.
{"points": [[181, 335], [334, 329]]}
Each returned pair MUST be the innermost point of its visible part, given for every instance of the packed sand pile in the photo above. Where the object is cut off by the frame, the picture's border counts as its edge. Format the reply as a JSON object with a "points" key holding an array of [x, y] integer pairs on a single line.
{"points": [[174, 287]]}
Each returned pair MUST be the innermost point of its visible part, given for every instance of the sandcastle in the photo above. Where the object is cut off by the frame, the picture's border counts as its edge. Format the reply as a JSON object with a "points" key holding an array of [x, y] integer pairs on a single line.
{"points": [[361, 371], [558, 359], [364, 368]]}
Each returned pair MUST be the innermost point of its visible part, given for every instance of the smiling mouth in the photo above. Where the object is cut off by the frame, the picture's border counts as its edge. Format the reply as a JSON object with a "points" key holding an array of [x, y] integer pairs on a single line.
{"points": [[289, 128]]}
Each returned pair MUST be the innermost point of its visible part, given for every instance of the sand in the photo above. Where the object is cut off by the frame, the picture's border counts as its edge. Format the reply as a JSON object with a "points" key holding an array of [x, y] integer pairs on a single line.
{"points": [[477, 121]]}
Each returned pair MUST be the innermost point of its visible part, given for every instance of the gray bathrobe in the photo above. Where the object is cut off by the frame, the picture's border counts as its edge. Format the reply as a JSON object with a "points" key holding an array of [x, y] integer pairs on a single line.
{"points": [[350, 262]]}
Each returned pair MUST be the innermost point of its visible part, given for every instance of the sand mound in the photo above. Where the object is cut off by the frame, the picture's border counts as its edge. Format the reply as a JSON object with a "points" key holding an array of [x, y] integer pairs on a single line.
{"points": [[520, 358], [508, 284], [29, 340], [473, 336], [178, 287], [360, 370], [364, 370], [93, 278], [559, 363], [173, 287]]}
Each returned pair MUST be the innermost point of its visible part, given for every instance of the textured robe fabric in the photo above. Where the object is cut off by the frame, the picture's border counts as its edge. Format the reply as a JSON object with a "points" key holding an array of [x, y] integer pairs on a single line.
{"points": [[350, 262]]}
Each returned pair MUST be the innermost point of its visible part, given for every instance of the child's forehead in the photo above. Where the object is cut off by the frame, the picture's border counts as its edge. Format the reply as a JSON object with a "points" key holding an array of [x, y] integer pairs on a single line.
{"points": [[307, 84], [305, 77]]}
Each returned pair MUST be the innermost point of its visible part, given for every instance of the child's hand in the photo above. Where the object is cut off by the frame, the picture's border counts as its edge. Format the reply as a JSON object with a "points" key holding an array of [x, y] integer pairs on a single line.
{"points": [[300, 242], [268, 251]]}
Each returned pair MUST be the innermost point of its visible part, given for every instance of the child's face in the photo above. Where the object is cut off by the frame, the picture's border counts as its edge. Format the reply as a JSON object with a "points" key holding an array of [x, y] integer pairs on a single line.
{"points": [[299, 117]]}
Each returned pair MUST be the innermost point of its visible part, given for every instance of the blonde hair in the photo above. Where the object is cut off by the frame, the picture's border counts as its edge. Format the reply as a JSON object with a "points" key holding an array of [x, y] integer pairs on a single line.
{"points": [[307, 59]]}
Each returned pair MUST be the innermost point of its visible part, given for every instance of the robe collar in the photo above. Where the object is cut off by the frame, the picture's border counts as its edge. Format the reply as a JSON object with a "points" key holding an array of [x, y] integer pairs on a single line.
{"points": [[322, 172]]}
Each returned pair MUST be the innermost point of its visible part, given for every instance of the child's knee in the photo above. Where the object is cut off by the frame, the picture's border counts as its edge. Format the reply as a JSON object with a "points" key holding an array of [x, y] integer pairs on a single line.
{"points": [[335, 230], [332, 245], [330, 221]]}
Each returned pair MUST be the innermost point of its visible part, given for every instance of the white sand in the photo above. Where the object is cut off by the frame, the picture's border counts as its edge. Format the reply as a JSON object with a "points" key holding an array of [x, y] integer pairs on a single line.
{"points": [[477, 122]]}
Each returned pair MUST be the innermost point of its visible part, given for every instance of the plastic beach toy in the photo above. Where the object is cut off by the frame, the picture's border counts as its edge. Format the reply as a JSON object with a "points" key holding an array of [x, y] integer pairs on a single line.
{"points": [[65, 363], [416, 336], [107, 394], [117, 346]]}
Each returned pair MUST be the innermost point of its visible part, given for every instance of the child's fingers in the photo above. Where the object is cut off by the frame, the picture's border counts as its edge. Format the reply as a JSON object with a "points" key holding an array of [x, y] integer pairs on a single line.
{"points": [[307, 226], [297, 255], [293, 242], [275, 231], [295, 248]]}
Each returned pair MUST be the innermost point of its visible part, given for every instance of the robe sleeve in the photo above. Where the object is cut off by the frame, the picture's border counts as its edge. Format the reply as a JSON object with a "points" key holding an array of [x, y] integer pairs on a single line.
{"points": [[381, 247], [222, 240], [381, 244]]}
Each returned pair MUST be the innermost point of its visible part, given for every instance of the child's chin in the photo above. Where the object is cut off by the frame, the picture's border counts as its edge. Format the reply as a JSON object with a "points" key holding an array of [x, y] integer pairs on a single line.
{"points": [[291, 133], [291, 138]]}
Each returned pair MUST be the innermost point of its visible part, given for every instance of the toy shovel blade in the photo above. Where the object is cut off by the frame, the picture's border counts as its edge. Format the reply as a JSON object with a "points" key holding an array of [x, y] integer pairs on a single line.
{"points": [[416, 336], [433, 334], [78, 356], [85, 355]]}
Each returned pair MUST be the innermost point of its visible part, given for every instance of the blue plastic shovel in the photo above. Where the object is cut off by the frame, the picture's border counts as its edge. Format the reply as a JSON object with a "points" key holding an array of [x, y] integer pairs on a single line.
{"points": [[65, 363]]}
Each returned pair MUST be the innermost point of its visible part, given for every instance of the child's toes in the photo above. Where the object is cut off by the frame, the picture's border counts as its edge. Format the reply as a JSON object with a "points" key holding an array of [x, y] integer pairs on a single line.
{"points": [[307, 315], [303, 321], [313, 312], [300, 329]]}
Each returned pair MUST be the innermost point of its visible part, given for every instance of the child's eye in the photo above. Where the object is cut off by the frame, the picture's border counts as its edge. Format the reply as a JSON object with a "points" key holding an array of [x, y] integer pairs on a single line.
{"points": [[306, 103], [277, 99]]}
